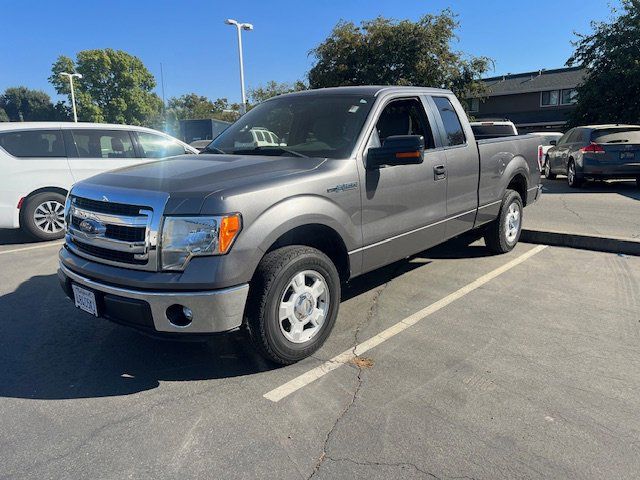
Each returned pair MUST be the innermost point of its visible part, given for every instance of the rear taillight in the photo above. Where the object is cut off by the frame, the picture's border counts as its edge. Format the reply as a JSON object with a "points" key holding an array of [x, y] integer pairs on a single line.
{"points": [[540, 154], [592, 148]]}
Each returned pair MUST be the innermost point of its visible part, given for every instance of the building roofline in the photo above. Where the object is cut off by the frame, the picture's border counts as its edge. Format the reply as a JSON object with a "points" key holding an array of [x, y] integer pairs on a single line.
{"points": [[542, 71]]}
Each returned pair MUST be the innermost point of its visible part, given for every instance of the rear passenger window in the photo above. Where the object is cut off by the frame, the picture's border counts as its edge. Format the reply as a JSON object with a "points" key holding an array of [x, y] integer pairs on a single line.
{"points": [[34, 143], [157, 146], [454, 135], [103, 143]]}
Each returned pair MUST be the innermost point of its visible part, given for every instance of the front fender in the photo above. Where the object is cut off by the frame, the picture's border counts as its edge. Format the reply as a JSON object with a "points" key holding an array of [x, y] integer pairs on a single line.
{"points": [[257, 237]]}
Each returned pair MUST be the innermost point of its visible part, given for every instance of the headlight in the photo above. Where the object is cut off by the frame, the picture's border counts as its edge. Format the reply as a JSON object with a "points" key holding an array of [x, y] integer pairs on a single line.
{"points": [[186, 237]]}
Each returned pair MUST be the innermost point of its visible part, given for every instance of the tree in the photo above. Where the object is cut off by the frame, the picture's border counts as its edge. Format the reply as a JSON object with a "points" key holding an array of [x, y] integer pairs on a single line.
{"points": [[23, 104], [115, 87], [194, 106], [388, 52], [273, 88], [611, 57], [3, 115]]}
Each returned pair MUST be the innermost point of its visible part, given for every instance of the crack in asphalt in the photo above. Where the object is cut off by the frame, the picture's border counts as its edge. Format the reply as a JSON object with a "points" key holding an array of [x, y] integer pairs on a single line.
{"points": [[394, 465], [359, 380]]}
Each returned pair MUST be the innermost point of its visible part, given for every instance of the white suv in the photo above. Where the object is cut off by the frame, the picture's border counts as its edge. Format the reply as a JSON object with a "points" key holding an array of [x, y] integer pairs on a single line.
{"points": [[39, 161]]}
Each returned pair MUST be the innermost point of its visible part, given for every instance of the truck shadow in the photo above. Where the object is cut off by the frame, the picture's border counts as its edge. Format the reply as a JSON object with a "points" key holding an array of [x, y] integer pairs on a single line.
{"points": [[49, 350], [15, 237]]}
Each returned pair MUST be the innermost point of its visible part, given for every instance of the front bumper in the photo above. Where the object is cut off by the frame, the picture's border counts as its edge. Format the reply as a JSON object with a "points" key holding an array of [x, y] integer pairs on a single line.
{"points": [[213, 311]]}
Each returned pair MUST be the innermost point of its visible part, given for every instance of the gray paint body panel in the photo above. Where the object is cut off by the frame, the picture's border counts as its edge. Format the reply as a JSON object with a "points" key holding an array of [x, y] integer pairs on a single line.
{"points": [[383, 216]]}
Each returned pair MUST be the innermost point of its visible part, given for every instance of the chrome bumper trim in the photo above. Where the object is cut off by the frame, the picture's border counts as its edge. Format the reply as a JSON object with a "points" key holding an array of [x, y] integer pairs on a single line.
{"points": [[213, 311]]}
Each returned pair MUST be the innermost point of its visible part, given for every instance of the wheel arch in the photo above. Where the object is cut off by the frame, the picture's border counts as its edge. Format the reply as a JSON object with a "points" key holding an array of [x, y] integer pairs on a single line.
{"points": [[321, 237], [62, 191]]}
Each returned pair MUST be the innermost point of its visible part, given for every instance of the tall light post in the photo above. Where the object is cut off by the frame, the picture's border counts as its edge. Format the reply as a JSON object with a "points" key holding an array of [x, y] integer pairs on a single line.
{"points": [[73, 95], [239, 27]]}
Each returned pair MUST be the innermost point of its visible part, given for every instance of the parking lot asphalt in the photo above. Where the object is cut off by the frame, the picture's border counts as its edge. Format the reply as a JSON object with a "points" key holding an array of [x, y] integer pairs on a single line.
{"points": [[529, 373], [606, 209]]}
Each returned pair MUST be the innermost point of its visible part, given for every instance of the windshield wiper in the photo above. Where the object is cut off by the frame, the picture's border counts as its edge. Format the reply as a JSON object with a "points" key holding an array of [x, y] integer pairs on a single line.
{"points": [[267, 150], [622, 140], [210, 149]]}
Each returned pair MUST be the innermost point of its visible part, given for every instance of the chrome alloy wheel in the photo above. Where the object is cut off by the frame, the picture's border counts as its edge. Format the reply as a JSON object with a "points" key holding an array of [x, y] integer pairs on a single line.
{"points": [[512, 222], [304, 306], [49, 217]]}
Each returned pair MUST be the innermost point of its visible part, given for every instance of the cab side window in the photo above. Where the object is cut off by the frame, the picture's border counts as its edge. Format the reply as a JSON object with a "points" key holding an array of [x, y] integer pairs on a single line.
{"points": [[92, 143], [404, 117], [157, 146], [454, 134], [33, 143]]}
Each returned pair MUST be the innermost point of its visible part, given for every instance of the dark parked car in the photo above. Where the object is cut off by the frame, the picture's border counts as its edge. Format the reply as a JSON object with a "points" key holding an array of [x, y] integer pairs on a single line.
{"points": [[596, 152]]}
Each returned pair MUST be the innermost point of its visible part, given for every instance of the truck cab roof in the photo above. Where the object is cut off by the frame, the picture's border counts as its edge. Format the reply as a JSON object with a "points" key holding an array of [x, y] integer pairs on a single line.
{"points": [[372, 90]]}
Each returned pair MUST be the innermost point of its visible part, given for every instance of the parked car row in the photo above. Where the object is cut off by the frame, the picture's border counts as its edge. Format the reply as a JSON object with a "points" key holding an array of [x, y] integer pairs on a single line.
{"points": [[40, 161]]}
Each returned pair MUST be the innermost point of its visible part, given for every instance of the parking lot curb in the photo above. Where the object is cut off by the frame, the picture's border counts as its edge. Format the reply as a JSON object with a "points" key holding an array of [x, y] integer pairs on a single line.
{"points": [[628, 246]]}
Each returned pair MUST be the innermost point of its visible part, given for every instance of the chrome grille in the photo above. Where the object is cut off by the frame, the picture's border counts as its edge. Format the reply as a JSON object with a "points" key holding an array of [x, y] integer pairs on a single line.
{"points": [[117, 227]]}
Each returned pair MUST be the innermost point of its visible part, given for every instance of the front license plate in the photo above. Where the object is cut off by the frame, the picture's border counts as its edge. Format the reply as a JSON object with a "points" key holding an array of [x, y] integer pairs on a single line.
{"points": [[85, 299], [627, 155]]}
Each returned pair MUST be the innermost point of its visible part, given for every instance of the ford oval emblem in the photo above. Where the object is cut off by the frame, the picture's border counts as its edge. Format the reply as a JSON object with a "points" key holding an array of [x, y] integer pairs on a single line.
{"points": [[91, 227]]}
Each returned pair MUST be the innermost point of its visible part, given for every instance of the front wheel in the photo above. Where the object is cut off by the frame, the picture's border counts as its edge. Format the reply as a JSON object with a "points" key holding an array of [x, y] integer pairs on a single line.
{"points": [[503, 234], [293, 303], [42, 216]]}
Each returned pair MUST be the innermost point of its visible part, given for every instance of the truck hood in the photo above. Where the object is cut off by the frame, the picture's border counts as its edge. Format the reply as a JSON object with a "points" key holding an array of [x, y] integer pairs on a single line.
{"points": [[190, 179]]}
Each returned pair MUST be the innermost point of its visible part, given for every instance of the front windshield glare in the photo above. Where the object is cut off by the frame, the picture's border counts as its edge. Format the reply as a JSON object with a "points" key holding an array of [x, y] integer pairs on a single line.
{"points": [[325, 126]]}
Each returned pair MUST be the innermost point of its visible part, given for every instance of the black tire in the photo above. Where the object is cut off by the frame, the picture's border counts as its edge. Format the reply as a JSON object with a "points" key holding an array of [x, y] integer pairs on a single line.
{"points": [[547, 171], [495, 236], [573, 179], [47, 230], [270, 283]]}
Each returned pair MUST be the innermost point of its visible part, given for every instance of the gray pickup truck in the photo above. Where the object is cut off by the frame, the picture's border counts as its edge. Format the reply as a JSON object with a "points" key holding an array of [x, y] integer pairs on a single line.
{"points": [[303, 193]]}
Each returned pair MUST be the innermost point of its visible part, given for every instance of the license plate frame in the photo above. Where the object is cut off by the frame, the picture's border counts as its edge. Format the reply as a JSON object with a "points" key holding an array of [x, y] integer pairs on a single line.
{"points": [[85, 299]]}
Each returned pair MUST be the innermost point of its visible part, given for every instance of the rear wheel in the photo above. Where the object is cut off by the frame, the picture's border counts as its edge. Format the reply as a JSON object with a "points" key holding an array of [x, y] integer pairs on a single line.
{"points": [[547, 171], [573, 180], [293, 303], [42, 216], [503, 234]]}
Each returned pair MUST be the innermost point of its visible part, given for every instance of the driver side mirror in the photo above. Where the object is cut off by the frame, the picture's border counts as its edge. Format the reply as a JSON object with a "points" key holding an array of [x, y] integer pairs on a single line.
{"points": [[396, 150], [553, 143]]}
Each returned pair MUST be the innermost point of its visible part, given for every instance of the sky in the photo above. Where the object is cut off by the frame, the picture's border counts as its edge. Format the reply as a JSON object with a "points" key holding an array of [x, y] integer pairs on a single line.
{"points": [[198, 51]]}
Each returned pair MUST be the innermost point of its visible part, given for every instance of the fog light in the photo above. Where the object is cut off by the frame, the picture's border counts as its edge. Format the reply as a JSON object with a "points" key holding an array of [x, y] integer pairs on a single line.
{"points": [[188, 314]]}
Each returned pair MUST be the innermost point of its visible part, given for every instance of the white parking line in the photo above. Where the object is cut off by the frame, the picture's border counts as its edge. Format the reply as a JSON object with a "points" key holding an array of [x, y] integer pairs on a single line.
{"points": [[347, 356], [34, 247]]}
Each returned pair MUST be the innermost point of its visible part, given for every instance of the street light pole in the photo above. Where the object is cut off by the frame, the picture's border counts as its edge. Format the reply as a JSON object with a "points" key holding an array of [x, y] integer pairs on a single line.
{"points": [[239, 27], [73, 95]]}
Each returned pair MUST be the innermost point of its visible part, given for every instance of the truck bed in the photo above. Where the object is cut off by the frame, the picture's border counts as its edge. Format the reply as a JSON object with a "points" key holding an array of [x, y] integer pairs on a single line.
{"points": [[500, 159]]}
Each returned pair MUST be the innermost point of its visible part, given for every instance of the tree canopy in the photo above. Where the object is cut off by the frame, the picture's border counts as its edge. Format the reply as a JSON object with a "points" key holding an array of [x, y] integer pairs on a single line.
{"points": [[611, 56], [273, 88], [389, 52], [115, 86], [24, 104], [192, 106]]}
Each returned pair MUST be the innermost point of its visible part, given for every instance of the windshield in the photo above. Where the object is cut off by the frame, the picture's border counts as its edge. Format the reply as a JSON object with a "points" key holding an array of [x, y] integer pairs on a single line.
{"points": [[325, 126]]}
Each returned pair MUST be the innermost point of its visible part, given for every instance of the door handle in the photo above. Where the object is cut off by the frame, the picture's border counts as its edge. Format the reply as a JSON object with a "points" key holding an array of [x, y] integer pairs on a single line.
{"points": [[439, 172]]}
